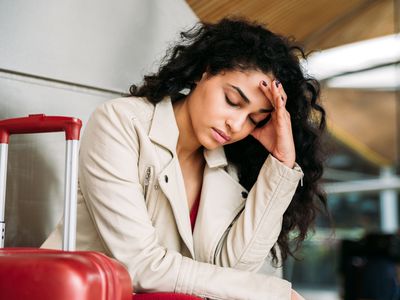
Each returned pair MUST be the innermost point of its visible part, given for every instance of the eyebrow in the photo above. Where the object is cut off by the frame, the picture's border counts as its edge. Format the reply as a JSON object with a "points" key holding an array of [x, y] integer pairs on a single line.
{"points": [[246, 99]]}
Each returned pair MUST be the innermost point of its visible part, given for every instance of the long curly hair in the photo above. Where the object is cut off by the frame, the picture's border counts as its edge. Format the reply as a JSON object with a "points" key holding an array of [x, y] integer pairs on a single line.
{"points": [[238, 44]]}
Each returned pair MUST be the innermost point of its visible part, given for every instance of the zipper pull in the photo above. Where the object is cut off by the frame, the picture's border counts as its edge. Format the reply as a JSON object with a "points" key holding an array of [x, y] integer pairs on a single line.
{"points": [[146, 181], [147, 176], [301, 181]]}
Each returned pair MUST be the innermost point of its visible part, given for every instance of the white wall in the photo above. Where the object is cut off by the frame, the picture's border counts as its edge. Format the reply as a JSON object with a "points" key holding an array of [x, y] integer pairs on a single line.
{"points": [[60, 58]]}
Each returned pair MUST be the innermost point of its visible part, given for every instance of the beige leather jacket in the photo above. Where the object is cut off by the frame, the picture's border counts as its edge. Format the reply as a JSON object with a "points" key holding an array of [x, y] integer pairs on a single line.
{"points": [[132, 206]]}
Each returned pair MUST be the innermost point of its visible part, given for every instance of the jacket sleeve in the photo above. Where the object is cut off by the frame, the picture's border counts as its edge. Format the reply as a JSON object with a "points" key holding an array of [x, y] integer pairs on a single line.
{"points": [[247, 243], [110, 184]]}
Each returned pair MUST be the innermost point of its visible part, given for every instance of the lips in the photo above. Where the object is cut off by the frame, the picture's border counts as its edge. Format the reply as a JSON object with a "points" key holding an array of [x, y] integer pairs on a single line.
{"points": [[220, 136]]}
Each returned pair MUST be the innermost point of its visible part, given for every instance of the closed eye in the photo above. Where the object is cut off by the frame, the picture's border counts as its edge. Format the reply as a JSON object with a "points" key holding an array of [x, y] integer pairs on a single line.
{"points": [[252, 121], [263, 122], [230, 102]]}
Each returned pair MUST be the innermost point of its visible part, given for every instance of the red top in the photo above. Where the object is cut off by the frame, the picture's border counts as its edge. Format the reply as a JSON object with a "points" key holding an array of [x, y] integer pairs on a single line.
{"points": [[194, 210]]}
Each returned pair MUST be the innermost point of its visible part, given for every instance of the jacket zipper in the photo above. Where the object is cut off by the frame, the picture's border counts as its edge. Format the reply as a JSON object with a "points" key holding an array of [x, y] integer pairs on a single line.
{"points": [[222, 239], [147, 179]]}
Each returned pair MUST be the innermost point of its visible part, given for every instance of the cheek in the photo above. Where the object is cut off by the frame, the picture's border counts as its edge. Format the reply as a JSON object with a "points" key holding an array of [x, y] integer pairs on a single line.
{"points": [[200, 116], [243, 134], [209, 110], [247, 132]]}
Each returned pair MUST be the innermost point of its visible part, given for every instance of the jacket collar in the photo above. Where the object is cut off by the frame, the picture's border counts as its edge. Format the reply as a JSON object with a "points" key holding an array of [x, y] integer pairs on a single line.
{"points": [[164, 131], [215, 158]]}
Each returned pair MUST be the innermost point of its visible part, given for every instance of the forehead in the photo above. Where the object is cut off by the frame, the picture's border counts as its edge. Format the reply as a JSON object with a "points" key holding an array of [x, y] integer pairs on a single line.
{"points": [[245, 77], [249, 83]]}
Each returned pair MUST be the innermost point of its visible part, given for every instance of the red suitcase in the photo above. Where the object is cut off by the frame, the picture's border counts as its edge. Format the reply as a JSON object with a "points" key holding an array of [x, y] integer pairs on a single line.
{"points": [[27, 273], [54, 274]]}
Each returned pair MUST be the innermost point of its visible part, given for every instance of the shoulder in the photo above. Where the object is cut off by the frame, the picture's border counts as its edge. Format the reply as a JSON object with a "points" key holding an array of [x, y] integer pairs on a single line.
{"points": [[127, 108], [123, 113], [118, 119]]}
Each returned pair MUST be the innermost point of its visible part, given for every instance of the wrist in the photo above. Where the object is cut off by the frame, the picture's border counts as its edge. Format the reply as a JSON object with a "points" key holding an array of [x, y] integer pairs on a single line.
{"points": [[288, 163]]}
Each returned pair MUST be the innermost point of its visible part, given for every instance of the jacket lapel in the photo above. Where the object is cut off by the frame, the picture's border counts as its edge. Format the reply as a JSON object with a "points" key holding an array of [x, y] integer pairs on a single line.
{"points": [[172, 184], [221, 201], [163, 129], [164, 132]]}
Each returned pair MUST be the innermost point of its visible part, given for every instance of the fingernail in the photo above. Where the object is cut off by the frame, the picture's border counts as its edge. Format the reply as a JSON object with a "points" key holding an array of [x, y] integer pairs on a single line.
{"points": [[264, 83], [282, 98], [277, 83]]}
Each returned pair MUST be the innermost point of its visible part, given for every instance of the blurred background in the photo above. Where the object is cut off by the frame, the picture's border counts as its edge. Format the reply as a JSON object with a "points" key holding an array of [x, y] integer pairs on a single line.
{"points": [[66, 57]]}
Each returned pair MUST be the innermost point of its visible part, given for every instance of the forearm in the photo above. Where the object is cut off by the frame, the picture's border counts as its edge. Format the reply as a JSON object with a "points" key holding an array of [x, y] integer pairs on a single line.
{"points": [[249, 240], [161, 270]]}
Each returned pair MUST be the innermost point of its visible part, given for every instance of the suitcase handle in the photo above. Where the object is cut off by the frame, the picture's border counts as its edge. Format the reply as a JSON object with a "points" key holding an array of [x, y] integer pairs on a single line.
{"points": [[40, 123]]}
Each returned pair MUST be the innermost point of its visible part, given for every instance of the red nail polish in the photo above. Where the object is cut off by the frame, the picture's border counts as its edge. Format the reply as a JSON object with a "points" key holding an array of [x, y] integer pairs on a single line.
{"points": [[277, 83], [264, 83]]}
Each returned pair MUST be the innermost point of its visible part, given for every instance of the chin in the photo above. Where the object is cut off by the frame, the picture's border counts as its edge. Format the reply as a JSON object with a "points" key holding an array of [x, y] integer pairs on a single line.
{"points": [[213, 147], [210, 144]]}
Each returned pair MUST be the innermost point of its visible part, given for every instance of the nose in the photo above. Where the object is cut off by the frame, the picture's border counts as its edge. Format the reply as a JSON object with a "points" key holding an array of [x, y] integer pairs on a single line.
{"points": [[236, 122]]}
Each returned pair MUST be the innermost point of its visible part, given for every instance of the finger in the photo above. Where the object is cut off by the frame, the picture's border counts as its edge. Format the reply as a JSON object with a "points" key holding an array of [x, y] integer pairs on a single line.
{"points": [[278, 96], [282, 118], [281, 91], [265, 88]]}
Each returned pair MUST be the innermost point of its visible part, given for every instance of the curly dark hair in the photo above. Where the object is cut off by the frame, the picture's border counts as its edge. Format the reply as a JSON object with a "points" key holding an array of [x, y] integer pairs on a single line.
{"points": [[238, 44]]}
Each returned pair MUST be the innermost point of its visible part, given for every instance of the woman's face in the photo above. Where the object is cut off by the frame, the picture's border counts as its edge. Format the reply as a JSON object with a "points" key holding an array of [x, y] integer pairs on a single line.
{"points": [[226, 107]]}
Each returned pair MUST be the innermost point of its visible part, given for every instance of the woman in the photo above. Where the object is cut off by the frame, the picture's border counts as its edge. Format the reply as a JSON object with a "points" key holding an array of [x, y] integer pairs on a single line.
{"points": [[192, 182]]}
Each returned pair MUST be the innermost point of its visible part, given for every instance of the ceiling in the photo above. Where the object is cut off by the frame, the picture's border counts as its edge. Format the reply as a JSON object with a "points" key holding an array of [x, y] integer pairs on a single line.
{"points": [[317, 24], [363, 120]]}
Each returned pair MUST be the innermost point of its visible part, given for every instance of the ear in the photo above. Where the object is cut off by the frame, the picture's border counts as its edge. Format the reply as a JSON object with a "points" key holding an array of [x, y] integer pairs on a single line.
{"points": [[204, 76]]}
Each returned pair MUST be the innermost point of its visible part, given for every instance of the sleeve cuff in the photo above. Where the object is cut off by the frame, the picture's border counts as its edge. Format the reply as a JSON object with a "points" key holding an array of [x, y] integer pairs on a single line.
{"points": [[273, 165]]}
